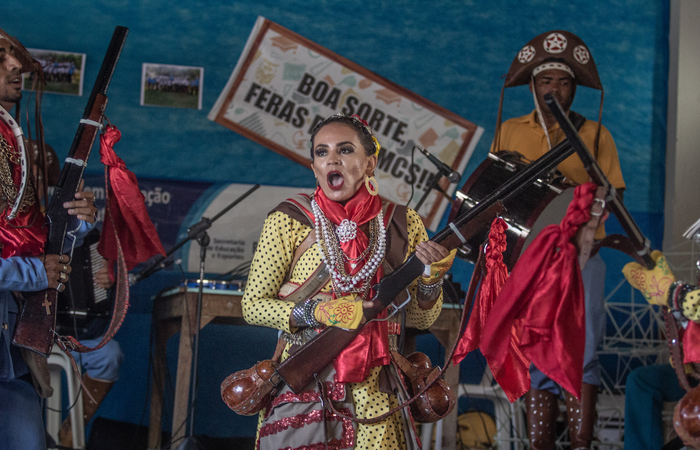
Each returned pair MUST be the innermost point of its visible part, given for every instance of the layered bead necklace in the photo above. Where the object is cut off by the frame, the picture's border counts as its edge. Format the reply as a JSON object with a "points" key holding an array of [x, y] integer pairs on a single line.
{"points": [[335, 258]]}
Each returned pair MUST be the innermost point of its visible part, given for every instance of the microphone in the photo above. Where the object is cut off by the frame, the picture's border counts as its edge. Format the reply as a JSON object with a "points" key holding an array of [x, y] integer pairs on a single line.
{"points": [[444, 169]]}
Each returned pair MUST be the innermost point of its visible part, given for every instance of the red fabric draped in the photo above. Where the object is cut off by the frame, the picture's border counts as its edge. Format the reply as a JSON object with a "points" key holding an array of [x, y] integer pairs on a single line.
{"points": [[496, 276], [542, 307], [691, 343], [25, 235], [371, 346], [127, 208]]}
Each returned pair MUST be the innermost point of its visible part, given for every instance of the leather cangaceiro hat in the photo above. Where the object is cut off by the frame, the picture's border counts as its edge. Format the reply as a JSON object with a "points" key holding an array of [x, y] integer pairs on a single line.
{"points": [[556, 49], [29, 64], [556, 46]]}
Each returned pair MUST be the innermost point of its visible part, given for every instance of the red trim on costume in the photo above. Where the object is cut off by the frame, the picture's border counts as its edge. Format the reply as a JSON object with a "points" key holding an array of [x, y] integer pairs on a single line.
{"points": [[691, 343], [336, 392], [300, 420]]}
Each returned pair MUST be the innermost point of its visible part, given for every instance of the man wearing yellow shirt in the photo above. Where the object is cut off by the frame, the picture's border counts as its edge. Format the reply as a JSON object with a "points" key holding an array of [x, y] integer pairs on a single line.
{"points": [[557, 62]]}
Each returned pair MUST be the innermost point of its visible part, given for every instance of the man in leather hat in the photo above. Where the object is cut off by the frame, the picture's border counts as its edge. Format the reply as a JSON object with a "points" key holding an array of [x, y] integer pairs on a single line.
{"points": [[23, 266], [557, 62]]}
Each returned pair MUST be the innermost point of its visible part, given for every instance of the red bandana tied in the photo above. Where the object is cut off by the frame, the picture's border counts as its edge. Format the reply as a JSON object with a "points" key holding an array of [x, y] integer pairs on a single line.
{"points": [[25, 235], [371, 346], [137, 233], [542, 308]]}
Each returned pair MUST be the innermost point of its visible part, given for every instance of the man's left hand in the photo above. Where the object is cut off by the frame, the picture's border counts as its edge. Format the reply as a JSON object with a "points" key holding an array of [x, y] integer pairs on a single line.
{"points": [[83, 207]]}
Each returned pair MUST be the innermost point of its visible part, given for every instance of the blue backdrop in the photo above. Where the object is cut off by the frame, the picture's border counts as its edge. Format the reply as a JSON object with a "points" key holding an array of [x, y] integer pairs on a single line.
{"points": [[450, 52]]}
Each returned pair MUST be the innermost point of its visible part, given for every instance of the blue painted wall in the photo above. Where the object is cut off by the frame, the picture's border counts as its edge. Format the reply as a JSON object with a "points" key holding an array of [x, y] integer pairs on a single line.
{"points": [[450, 52]]}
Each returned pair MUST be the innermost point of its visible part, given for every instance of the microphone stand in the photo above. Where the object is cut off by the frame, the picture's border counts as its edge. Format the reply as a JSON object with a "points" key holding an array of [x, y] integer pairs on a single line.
{"points": [[191, 442], [433, 185], [197, 231], [192, 234]]}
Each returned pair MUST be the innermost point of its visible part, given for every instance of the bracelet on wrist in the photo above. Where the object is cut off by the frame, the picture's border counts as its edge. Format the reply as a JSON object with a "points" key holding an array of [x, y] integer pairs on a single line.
{"points": [[309, 310], [298, 314], [303, 313], [429, 289], [673, 296]]}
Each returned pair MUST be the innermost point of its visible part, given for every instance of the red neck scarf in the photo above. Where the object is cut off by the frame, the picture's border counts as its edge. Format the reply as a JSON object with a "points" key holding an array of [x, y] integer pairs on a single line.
{"points": [[25, 235], [361, 208], [371, 346]]}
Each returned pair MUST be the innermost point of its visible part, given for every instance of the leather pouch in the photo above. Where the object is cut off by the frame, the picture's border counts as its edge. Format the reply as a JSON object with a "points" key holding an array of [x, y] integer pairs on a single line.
{"points": [[418, 372]]}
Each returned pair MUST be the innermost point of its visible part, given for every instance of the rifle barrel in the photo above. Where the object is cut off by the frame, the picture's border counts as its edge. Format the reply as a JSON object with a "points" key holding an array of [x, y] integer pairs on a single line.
{"points": [[109, 63], [641, 243], [35, 328]]}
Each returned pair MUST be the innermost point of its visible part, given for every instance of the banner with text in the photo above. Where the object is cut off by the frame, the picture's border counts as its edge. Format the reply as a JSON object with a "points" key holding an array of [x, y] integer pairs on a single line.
{"points": [[284, 84]]}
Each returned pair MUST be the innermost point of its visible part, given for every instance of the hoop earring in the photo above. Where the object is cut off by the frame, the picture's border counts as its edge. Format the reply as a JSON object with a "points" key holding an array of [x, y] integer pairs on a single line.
{"points": [[371, 185]]}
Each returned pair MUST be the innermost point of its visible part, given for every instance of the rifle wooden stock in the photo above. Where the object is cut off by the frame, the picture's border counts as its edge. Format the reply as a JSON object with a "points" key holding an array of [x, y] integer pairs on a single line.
{"points": [[35, 329], [641, 244]]}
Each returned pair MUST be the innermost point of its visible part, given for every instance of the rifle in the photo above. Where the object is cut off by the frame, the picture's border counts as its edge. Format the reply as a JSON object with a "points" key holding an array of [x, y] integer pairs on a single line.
{"points": [[298, 370], [35, 329], [635, 244]]}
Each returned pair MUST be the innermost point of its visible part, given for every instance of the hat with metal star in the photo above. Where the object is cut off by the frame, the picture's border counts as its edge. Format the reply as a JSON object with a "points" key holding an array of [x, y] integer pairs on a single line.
{"points": [[554, 50]]}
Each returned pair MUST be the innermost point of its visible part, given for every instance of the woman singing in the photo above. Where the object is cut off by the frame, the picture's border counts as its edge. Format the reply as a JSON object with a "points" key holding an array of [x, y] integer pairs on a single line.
{"points": [[344, 228]]}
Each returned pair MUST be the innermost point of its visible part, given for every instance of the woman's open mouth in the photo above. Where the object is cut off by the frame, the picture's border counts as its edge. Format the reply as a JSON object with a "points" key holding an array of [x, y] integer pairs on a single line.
{"points": [[335, 180]]}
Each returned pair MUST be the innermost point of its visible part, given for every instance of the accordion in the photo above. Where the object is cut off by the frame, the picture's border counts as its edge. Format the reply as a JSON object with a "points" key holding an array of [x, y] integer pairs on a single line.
{"points": [[84, 308]]}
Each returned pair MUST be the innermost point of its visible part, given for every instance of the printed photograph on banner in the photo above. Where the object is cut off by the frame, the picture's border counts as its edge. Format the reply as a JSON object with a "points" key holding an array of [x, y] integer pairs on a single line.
{"points": [[171, 86], [284, 84], [63, 71]]}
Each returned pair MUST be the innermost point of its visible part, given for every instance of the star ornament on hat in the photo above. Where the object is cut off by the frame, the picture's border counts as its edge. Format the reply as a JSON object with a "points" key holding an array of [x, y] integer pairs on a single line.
{"points": [[561, 48]]}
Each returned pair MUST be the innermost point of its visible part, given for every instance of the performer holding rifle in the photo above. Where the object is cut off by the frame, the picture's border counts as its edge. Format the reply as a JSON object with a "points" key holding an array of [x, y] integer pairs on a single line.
{"points": [[24, 376], [345, 227], [657, 384], [557, 62]]}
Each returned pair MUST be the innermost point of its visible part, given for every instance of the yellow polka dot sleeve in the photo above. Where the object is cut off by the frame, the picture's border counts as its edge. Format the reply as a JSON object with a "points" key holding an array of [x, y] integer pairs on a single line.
{"points": [[421, 318], [280, 236], [691, 303]]}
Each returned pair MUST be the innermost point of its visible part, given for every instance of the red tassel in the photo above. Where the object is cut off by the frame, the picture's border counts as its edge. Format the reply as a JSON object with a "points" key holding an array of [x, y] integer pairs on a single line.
{"points": [[542, 308], [496, 276]]}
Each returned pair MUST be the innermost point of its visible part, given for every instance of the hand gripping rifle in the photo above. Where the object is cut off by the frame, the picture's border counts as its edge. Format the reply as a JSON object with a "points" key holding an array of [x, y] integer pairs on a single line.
{"points": [[35, 329], [298, 370], [635, 243]]}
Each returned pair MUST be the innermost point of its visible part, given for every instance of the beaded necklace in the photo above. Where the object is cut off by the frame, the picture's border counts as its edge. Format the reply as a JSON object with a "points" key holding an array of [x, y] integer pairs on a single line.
{"points": [[335, 258]]}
